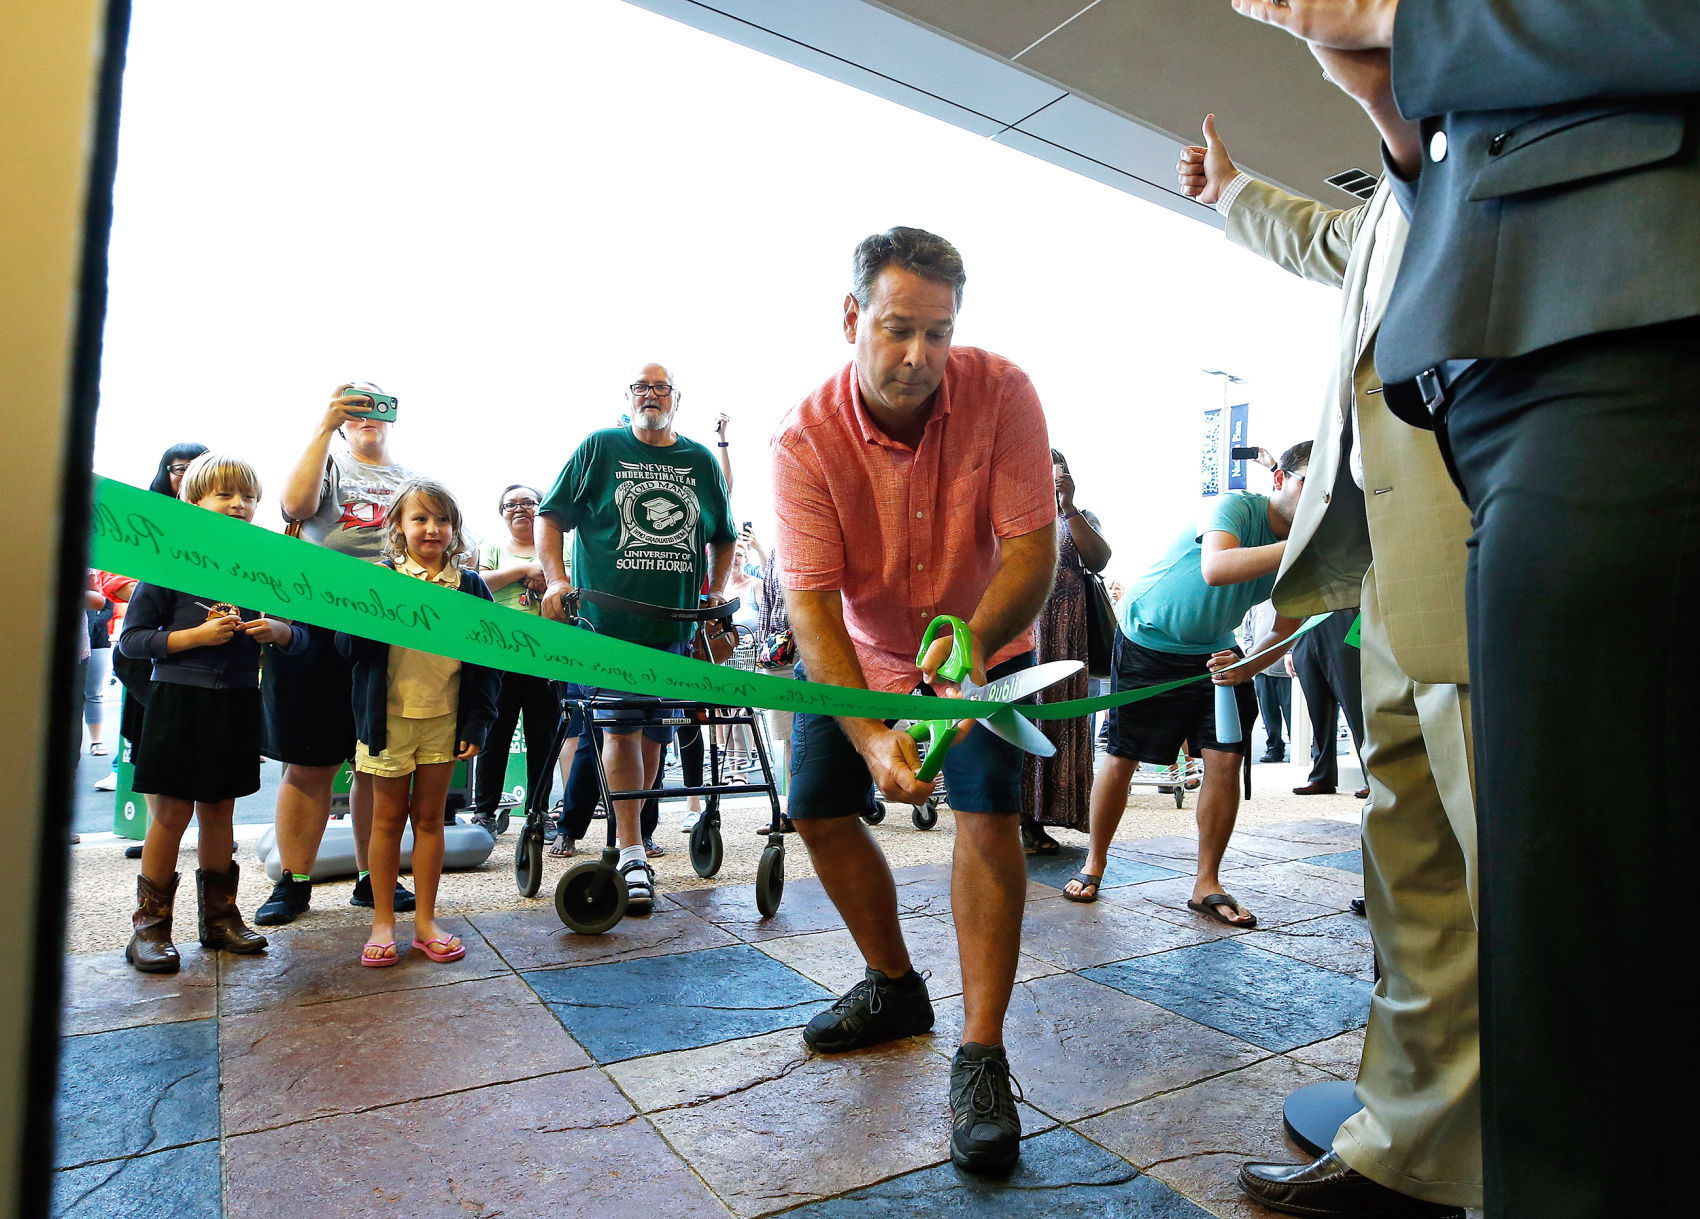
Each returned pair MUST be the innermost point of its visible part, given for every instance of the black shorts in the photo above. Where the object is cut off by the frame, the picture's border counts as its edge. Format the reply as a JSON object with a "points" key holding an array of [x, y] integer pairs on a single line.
{"points": [[1153, 730], [199, 744], [982, 773], [307, 704]]}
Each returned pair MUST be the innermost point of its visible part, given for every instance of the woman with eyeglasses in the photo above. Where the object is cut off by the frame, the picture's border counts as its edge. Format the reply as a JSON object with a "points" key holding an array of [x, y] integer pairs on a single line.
{"points": [[337, 495], [515, 578]]}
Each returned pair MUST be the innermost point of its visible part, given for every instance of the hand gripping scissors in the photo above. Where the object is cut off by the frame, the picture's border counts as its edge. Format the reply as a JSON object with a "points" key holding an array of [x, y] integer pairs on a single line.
{"points": [[1005, 723]]}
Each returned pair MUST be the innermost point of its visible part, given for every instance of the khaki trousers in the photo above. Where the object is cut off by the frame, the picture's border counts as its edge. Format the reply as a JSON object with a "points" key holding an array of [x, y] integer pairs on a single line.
{"points": [[1420, 1078]]}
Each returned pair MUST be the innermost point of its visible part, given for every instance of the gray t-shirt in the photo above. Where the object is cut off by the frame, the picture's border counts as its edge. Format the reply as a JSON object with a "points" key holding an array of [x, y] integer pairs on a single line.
{"points": [[352, 504]]}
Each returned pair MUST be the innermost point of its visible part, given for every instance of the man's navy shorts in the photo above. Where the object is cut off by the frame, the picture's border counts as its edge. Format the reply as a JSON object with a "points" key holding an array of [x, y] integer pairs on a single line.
{"points": [[611, 721], [1154, 729], [982, 773]]}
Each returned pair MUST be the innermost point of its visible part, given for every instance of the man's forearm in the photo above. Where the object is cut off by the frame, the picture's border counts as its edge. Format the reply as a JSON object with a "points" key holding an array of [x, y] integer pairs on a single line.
{"points": [[550, 556], [1280, 633], [817, 624], [1027, 567], [719, 563], [1237, 564]]}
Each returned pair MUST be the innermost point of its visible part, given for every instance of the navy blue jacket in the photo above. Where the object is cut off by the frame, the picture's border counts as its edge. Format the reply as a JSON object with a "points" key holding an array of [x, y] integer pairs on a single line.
{"points": [[155, 612], [476, 709]]}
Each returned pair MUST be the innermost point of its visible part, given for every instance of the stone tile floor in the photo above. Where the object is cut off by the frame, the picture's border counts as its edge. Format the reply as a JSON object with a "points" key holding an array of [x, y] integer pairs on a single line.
{"points": [[658, 1068]]}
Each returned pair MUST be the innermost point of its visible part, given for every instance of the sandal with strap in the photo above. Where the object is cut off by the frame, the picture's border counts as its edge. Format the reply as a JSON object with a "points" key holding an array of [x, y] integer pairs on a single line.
{"points": [[563, 847], [1088, 887], [379, 956], [640, 886], [1035, 841], [442, 948]]}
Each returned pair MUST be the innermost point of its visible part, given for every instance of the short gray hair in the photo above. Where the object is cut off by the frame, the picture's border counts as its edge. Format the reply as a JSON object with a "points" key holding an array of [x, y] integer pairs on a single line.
{"points": [[914, 250]]}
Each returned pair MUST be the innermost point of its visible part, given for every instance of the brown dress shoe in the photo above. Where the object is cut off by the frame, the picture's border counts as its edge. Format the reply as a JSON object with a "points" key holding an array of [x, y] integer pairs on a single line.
{"points": [[1314, 789], [1330, 1189], [150, 949], [221, 922], [1362, 793]]}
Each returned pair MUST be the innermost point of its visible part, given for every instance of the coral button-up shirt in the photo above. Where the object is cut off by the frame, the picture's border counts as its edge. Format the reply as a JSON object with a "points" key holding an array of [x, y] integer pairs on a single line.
{"points": [[904, 534]]}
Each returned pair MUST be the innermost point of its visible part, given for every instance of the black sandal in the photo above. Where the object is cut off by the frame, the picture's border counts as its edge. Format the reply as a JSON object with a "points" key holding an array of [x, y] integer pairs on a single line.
{"points": [[640, 886], [1035, 841], [1087, 882]]}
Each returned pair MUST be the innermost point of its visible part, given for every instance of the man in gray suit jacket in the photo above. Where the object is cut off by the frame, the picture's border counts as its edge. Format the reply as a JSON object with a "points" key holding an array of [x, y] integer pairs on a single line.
{"points": [[1380, 526], [1547, 319]]}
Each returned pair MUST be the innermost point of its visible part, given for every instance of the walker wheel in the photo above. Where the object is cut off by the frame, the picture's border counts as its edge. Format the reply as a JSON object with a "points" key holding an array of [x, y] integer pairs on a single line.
{"points": [[926, 816], [707, 848], [591, 897], [876, 814], [770, 879], [1180, 795], [503, 820], [528, 860]]}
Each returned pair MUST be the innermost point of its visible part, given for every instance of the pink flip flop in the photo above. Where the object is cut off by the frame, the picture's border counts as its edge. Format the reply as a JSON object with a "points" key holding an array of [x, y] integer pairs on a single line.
{"points": [[441, 955], [387, 955]]}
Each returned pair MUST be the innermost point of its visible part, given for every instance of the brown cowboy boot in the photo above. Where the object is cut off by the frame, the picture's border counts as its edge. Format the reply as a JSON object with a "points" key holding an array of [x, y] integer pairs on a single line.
{"points": [[150, 949], [221, 922]]}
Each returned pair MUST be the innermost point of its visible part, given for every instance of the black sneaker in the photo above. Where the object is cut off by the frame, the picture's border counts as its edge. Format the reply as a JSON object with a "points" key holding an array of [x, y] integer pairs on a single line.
{"points": [[876, 1009], [362, 895], [487, 823], [288, 902], [985, 1130]]}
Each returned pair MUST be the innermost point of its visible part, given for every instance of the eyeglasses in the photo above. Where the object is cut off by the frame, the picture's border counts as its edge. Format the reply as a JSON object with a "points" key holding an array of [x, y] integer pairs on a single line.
{"points": [[642, 389], [177, 467], [514, 505]]}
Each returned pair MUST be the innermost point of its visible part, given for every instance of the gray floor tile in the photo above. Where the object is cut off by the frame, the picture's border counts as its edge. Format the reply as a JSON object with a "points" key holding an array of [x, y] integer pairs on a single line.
{"points": [[139, 1089], [1260, 997], [657, 1004]]}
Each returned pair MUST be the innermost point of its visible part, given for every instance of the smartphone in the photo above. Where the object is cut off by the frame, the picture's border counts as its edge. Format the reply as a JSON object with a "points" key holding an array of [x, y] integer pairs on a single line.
{"points": [[748, 527], [1241, 452], [383, 405]]}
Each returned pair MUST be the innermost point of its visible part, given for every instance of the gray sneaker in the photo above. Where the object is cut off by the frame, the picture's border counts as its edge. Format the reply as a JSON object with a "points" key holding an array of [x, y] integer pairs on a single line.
{"points": [[876, 1009], [985, 1130]]}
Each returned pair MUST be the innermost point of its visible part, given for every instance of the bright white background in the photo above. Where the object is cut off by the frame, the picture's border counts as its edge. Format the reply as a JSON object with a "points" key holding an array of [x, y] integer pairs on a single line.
{"points": [[496, 211]]}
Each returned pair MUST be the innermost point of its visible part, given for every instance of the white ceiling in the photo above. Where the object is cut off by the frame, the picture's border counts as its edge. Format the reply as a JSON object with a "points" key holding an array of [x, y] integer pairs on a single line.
{"points": [[1111, 89]]}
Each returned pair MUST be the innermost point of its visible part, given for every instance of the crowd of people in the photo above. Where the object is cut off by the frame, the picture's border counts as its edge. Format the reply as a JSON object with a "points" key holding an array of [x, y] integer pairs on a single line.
{"points": [[914, 481]]}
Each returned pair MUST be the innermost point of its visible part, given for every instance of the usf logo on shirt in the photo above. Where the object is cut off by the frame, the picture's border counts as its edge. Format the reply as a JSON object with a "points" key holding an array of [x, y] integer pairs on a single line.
{"points": [[658, 507]]}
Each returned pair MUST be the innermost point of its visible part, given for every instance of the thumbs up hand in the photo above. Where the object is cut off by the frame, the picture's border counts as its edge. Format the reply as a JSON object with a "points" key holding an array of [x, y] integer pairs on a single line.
{"points": [[1205, 172]]}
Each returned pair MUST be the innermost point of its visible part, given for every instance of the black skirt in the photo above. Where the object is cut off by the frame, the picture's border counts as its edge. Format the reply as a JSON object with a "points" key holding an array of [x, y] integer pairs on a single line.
{"points": [[137, 678], [307, 705], [199, 744]]}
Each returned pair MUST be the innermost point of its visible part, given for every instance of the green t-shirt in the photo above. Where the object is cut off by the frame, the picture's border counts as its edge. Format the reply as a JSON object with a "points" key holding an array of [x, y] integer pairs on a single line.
{"points": [[640, 515], [494, 554], [1171, 609]]}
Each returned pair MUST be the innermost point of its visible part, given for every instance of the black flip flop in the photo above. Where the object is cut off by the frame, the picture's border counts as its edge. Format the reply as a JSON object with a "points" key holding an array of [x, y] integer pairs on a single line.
{"points": [[1210, 908], [1086, 880]]}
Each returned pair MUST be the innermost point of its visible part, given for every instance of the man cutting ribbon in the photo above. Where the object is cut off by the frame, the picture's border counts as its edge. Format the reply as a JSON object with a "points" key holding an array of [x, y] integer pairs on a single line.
{"points": [[916, 482]]}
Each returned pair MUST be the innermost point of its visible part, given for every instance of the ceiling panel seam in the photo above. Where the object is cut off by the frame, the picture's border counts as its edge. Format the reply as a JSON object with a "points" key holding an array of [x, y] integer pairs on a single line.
{"points": [[1073, 152], [1016, 126], [796, 42], [1060, 25]]}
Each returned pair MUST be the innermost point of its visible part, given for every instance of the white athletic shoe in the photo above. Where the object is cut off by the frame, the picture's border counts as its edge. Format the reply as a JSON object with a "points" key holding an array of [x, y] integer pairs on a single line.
{"points": [[692, 816], [108, 782]]}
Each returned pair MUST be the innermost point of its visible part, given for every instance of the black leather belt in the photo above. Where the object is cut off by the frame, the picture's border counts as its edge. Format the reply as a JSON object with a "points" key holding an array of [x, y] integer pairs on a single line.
{"points": [[626, 605], [1419, 400]]}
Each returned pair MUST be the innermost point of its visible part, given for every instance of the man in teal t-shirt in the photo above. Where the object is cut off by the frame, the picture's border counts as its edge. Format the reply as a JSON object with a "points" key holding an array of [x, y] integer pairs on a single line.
{"points": [[642, 503], [1177, 621]]}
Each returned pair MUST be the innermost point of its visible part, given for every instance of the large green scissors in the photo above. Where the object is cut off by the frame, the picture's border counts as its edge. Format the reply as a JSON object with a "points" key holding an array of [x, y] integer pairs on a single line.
{"points": [[1006, 723]]}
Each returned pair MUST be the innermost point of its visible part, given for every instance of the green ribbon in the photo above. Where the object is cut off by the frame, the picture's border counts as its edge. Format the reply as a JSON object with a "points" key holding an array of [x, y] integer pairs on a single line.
{"points": [[151, 537]]}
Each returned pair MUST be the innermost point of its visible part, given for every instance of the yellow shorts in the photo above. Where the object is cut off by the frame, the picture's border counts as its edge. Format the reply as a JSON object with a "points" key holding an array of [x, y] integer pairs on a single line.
{"points": [[411, 744]]}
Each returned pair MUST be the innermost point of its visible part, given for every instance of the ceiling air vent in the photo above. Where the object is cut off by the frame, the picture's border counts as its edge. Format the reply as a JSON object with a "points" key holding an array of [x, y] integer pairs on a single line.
{"points": [[1353, 182]]}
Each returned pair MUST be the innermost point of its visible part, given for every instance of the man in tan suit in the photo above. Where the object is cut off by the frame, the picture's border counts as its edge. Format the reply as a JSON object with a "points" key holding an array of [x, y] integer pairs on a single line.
{"points": [[1379, 525]]}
